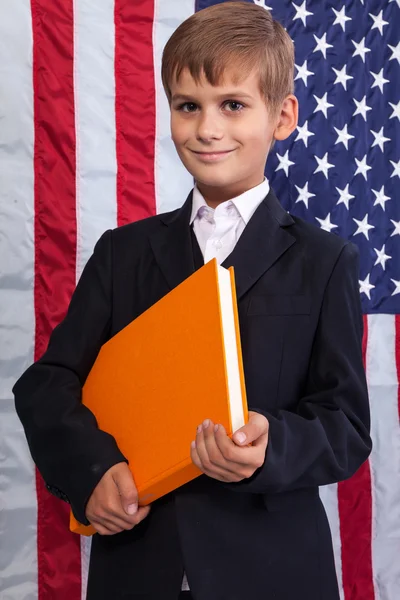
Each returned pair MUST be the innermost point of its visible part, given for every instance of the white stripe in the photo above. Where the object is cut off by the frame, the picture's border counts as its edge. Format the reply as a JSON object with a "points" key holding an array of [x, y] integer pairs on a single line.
{"points": [[329, 497], [96, 163], [385, 457], [18, 501], [86, 546], [172, 181]]}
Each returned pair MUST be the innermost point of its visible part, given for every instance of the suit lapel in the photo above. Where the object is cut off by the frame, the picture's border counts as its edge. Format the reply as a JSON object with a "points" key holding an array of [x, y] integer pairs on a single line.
{"points": [[172, 246], [262, 242]]}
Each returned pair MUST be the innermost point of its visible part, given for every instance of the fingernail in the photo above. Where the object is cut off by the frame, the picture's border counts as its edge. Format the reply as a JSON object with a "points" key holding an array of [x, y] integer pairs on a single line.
{"points": [[132, 508], [193, 445], [199, 429], [216, 427], [206, 423], [241, 437]]}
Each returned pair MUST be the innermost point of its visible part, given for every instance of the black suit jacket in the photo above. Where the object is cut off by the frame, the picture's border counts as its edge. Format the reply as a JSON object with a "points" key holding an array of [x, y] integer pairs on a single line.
{"points": [[301, 330]]}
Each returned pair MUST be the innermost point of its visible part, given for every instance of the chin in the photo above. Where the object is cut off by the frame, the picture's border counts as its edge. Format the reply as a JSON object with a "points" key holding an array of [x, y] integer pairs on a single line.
{"points": [[215, 182], [213, 179]]}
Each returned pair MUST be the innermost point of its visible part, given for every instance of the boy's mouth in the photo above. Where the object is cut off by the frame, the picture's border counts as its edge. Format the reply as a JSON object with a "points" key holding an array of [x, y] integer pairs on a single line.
{"points": [[212, 156]]}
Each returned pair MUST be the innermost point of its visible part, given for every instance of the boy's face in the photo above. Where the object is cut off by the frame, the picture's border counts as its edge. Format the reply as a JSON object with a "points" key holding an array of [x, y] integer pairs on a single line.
{"points": [[232, 120]]}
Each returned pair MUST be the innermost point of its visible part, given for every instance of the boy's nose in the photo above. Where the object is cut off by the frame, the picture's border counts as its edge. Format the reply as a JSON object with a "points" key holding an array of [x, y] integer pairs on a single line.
{"points": [[209, 129]]}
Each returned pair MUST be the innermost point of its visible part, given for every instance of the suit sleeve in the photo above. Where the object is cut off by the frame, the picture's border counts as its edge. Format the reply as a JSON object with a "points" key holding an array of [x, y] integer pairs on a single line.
{"points": [[327, 438], [70, 451]]}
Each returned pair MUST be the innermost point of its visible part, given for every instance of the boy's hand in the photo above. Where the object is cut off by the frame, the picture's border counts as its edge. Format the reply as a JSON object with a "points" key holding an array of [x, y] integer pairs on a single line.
{"points": [[219, 457], [113, 505]]}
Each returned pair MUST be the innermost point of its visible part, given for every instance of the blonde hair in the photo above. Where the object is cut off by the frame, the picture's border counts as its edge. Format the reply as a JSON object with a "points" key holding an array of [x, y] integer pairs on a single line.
{"points": [[237, 35]]}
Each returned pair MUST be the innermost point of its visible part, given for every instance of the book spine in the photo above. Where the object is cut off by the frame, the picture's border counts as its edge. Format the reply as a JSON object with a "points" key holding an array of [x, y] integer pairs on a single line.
{"points": [[239, 344]]}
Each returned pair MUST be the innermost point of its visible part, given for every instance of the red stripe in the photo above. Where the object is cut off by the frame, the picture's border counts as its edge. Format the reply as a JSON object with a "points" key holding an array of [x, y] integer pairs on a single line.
{"points": [[59, 562], [365, 341], [135, 109], [355, 513], [398, 359]]}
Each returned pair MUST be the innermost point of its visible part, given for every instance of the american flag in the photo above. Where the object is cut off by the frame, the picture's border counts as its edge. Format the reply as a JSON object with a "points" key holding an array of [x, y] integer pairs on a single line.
{"points": [[85, 146]]}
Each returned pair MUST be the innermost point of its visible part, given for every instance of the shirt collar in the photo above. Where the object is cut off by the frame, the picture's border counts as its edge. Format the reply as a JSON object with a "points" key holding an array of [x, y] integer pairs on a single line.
{"points": [[246, 204]]}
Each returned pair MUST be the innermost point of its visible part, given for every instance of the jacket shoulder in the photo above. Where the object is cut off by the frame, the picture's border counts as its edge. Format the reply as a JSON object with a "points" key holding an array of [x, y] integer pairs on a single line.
{"points": [[136, 232], [317, 240]]}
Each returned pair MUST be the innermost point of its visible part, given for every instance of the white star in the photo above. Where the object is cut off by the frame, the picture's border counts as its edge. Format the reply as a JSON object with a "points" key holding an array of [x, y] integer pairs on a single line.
{"points": [[322, 104], [396, 110], [396, 167], [284, 162], [304, 194], [366, 287], [379, 23], [304, 134], [262, 4], [322, 45], [380, 197], [343, 137], [360, 50], [397, 284], [396, 230], [382, 257], [380, 139], [362, 108], [302, 72], [345, 197], [363, 227], [323, 165], [362, 167], [342, 77], [341, 18], [326, 224], [301, 12], [379, 80], [395, 52]]}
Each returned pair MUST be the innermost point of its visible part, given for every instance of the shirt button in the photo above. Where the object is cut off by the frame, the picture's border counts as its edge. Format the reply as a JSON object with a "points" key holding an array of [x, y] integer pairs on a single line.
{"points": [[217, 244]]}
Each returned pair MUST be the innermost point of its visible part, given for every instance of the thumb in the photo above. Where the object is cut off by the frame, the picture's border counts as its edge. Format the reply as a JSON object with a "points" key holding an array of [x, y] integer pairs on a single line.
{"points": [[256, 427], [127, 490]]}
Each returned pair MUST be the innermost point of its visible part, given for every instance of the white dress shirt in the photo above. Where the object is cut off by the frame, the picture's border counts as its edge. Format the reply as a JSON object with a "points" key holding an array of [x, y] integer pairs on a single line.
{"points": [[218, 230]]}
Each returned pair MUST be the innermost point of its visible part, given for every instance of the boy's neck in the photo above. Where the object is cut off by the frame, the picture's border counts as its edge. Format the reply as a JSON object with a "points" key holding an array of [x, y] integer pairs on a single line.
{"points": [[215, 196]]}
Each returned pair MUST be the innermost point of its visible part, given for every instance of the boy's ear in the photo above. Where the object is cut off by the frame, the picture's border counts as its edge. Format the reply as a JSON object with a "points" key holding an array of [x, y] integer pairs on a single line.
{"points": [[287, 118]]}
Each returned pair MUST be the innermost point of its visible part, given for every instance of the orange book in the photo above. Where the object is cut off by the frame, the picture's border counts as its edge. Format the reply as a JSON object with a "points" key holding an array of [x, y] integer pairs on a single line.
{"points": [[175, 365]]}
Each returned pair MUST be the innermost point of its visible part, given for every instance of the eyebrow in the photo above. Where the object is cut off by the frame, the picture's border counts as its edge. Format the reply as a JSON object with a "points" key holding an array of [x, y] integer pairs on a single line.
{"points": [[233, 94]]}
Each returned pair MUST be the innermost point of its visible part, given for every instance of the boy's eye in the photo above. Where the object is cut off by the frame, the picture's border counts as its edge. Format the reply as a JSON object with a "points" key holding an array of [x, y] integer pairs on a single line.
{"points": [[190, 107], [233, 103]]}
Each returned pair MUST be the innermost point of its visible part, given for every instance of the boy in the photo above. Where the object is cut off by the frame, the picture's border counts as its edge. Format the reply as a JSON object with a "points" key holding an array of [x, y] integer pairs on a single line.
{"points": [[253, 525]]}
